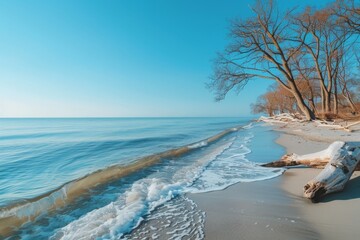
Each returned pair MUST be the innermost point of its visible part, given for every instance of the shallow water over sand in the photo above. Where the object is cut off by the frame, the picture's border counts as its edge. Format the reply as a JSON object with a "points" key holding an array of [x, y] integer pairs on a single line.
{"points": [[44, 155]]}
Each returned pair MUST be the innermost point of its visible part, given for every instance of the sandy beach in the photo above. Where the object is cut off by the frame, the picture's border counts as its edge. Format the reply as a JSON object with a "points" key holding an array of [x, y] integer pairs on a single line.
{"points": [[275, 208]]}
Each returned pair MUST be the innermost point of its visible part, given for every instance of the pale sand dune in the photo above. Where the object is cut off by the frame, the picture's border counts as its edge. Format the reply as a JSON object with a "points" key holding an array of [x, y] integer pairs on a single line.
{"points": [[275, 209]]}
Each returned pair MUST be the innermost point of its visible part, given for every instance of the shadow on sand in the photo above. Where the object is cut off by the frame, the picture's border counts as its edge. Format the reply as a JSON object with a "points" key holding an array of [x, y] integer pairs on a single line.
{"points": [[351, 191]]}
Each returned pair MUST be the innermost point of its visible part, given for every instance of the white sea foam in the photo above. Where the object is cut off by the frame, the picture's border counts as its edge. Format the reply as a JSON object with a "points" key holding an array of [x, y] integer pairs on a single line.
{"points": [[198, 145], [193, 171], [119, 217], [176, 219], [232, 167], [249, 126]]}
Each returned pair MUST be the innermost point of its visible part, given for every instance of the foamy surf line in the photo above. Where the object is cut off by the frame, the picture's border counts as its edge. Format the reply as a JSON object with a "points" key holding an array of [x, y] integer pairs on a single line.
{"points": [[126, 213], [219, 176], [13, 216], [224, 165]]}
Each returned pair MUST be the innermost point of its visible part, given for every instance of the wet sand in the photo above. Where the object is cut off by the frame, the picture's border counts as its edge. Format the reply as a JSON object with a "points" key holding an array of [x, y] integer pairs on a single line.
{"points": [[256, 210], [275, 208]]}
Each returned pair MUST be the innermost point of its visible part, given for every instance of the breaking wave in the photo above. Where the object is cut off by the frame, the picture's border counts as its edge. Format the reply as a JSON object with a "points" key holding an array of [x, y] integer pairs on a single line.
{"points": [[19, 213]]}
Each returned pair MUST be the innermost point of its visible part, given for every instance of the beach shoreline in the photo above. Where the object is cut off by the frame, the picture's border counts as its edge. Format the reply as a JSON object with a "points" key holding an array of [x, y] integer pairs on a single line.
{"points": [[275, 208], [253, 210]]}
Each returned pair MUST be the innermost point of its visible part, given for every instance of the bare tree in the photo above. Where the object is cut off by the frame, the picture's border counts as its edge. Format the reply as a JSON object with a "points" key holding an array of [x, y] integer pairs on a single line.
{"points": [[348, 83], [349, 12], [325, 43], [306, 79], [263, 105], [262, 47], [275, 100]]}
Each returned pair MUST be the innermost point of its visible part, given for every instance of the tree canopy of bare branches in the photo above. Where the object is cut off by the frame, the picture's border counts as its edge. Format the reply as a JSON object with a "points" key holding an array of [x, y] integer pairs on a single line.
{"points": [[303, 52]]}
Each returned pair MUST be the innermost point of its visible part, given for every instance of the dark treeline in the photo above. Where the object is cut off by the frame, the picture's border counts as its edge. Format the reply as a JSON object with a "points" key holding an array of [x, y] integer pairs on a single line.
{"points": [[311, 55]]}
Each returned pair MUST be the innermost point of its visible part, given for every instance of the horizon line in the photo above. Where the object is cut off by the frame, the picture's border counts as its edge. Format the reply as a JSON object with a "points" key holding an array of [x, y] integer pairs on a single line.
{"points": [[77, 117]]}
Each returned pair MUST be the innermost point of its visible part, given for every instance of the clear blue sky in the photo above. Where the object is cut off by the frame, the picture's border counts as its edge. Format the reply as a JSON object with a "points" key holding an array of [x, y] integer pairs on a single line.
{"points": [[117, 58]]}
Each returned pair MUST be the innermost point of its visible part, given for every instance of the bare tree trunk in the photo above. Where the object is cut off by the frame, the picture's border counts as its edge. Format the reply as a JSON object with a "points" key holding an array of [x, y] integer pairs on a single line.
{"points": [[312, 105], [348, 97], [352, 105], [301, 104], [322, 100], [311, 97], [327, 102], [336, 101]]}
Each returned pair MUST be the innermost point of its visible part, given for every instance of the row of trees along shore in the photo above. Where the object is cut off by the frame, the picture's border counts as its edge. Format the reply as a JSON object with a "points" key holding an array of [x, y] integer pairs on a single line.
{"points": [[312, 55]]}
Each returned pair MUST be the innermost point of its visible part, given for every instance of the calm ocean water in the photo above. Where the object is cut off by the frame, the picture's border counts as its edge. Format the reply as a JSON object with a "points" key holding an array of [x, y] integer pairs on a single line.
{"points": [[123, 177]]}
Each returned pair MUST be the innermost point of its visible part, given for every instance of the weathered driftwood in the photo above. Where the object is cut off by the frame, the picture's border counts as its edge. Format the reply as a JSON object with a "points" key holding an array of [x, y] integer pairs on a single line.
{"points": [[290, 160], [337, 127], [339, 161], [351, 125], [336, 173], [315, 160]]}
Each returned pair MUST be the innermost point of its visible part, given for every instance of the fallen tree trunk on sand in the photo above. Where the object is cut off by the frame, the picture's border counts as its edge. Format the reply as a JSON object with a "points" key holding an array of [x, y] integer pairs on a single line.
{"points": [[313, 160], [335, 174], [340, 160]]}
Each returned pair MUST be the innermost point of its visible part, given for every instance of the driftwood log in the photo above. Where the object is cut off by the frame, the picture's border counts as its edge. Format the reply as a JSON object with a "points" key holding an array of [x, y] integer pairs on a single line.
{"points": [[339, 161], [335, 174], [314, 160]]}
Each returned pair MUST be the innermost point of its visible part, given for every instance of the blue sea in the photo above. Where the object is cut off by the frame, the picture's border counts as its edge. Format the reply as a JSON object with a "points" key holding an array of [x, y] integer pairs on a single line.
{"points": [[123, 178]]}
